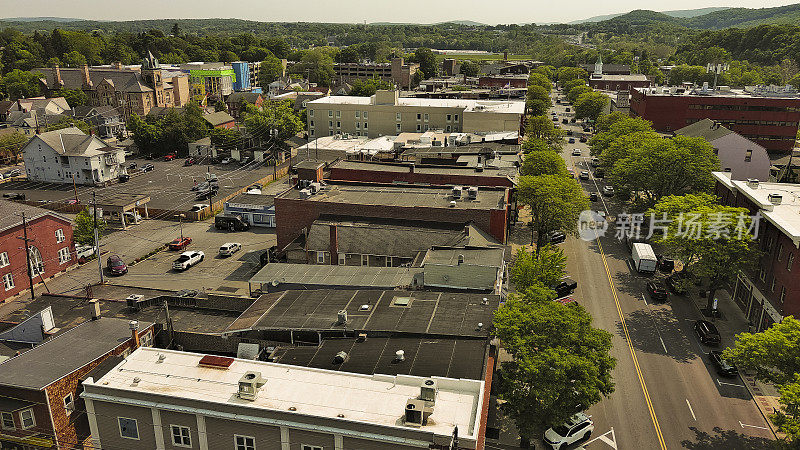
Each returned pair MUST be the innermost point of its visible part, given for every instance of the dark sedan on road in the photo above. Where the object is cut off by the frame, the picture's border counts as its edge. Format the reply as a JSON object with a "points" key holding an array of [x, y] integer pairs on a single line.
{"points": [[565, 287], [116, 266], [657, 291], [721, 365], [707, 332], [556, 237]]}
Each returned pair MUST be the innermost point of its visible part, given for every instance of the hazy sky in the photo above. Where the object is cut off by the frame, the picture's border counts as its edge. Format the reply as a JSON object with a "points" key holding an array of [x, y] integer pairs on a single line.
{"points": [[417, 11]]}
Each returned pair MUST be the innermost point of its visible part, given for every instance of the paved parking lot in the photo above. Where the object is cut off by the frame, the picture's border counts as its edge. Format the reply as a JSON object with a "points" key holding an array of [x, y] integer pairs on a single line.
{"points": [[227, 275], [168, 185]]}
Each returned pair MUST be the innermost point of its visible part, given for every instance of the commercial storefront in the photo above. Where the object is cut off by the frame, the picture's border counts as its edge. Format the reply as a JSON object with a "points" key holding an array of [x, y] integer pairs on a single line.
{"points": [[758, 310], [257, 209]]}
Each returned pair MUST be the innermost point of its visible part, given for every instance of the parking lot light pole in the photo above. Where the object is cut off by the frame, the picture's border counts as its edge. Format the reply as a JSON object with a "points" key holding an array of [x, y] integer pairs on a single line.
{"points": [[180, 221]]}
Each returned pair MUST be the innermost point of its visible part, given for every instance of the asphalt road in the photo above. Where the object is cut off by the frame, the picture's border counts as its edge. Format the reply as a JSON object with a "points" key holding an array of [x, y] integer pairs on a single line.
{"points": [[667, 395]]}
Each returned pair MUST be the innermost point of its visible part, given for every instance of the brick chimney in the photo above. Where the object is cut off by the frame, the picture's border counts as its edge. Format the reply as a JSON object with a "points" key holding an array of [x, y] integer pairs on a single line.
{"points": [[334, 244], [57, 77], [87, 80], [134, 326], [117, 65]]}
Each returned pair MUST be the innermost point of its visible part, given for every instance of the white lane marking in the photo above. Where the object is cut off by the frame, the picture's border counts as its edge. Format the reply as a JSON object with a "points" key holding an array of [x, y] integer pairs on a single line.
{"points": [[662, 344], [645, 300], [611, 441], [729, 384], [752, 426], [691, 410]]}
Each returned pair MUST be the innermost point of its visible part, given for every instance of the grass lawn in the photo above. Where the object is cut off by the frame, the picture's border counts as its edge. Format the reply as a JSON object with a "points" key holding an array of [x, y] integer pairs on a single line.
{"points": [[482, 57]]}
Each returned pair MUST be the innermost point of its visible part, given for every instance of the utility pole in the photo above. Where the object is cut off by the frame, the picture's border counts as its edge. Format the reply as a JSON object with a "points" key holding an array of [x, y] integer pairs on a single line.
{"points": [[97, 238], [180, 221], [75, 188], [27, 252]]}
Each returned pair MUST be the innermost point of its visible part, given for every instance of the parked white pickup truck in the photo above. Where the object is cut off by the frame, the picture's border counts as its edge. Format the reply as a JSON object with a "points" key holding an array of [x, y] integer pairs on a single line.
{"points": [[188, 259]]}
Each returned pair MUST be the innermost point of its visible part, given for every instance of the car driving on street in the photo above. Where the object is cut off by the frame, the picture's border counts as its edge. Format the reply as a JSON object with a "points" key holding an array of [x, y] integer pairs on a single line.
{"points": [[578, 428]]}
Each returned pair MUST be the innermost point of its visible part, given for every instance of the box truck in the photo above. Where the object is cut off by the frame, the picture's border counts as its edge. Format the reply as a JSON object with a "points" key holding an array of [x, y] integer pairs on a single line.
{"points": [[644, 258]]}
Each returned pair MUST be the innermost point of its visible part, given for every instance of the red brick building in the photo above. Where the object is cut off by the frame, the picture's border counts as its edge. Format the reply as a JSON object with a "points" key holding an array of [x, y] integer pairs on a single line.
{"points": [[772, 290], [371, 172], [52, 249], [618, 82], [769, 119], [487, 208], [39, 389], [501, 81]]}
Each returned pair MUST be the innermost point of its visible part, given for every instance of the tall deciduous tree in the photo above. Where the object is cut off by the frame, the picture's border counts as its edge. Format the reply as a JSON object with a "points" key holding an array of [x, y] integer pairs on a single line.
{"points": [[577, 91], [545, 267], [318, 64], [537, 79], [655, 167], [590, 105], [565, 74], [713, 241], [83, 232], [538, 100], [271, 69], [427, 61], [611, 127], [561, 364], [20, 83], [469, 68], [556, 202], [774, 356], [544, 162], [541, 127], [74, 97], [274, 123]]}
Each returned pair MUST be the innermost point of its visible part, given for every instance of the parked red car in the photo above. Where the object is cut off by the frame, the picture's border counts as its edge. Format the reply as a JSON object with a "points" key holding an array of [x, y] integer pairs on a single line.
{"points": [[180, 243], [188, 162], [169, 157], [116, 266]]}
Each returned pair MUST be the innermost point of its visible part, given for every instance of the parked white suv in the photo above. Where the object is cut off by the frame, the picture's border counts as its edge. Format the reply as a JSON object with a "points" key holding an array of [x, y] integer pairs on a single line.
{"points": [[577, 428], [188, 259], [229, 248]]}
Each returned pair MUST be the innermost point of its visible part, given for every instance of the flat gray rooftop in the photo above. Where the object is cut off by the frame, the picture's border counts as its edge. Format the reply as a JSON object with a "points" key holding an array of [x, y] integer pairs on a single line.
{"points": [[402, 196], [426, 169], [62, 355], [322, 274], [432, 313]]}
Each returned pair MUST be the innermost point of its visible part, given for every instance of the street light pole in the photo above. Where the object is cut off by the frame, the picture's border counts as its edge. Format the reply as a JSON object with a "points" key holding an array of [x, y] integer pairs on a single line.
{"points": [[180, 221]]}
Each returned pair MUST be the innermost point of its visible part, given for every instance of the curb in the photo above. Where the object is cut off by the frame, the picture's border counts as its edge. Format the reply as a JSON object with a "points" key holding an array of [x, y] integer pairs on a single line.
{"points": [[760, 407]]}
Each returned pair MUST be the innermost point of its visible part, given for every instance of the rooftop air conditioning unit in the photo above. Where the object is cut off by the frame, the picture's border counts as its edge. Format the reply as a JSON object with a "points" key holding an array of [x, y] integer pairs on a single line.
{"points": [[752, 183], [249, 385], [775, 199], [452, 203], [340, 357], [456, 191], [428, 390], [479, 168], [305, 193], [472, 193], [315, 187], [341, 317]]}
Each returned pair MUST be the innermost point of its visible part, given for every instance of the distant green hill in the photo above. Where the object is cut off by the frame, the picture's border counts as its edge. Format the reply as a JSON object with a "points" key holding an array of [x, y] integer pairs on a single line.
{"points": [[746, 17], [685, 13]]}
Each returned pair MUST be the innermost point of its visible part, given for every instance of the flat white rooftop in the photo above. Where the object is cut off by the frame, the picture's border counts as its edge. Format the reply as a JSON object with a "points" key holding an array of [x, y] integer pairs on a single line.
{"points": [[498, 106], [373, 399]]}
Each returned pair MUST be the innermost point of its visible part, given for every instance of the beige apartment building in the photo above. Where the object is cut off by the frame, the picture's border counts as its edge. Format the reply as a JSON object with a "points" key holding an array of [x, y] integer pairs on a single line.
{"points": [[387, 114], [163, 399]]}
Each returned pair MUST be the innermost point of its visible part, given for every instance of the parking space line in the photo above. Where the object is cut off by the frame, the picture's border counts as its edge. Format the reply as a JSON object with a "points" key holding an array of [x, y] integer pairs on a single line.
{"points": [[729, 384], [691, 410], [645, 300]]}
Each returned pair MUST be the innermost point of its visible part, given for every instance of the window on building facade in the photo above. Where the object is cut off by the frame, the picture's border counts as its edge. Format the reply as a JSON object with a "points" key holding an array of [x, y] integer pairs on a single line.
{"points": [[455, 118], [772, 285], [398, 127], [338, 124], [783, 294], [762, 275], [419, 116], [789, 262], [4, 261], [364, 115], [364, 260], [780, 251], [330, 113], [330, 124], [320, 257], [419, 127], [8, 281], [28, 419], [311, 447], [69, 403], [128, 428], [338, 114], [426, 117], [181, 436], [64, 256], [358, 114], [365, 125], [311, 123], [8, 421], [449, 117], [244, 442], [399, 116], [310, 112], [342, 259], [748, 156]]}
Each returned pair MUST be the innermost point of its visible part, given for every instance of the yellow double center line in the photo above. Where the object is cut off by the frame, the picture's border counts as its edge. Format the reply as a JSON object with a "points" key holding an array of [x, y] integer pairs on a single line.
{"points": [[630, 347]]}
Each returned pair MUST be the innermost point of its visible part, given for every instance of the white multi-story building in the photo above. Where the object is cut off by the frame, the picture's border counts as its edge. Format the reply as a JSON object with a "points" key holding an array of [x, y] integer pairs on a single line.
{"points": [[387, 114], [69, 154]]}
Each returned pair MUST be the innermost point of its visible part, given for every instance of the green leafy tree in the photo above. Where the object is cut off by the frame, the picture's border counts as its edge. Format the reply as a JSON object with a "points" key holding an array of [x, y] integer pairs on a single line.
{"points": [[565, 74], [274, 123], [611, 127], [226, 138], [73, 59], [774, 356], [537, 79], [568, 85], [427, 61], [68, 121], [590, 105], [561, 364], [19, 84], [543, 163], [367, 88], [533, 144], [318, 64], [555, 201], [74, 97], [11, 145], [220, 106], [469, 68], [713, 241], [545, 267], [270, 70], [538, 100], [83, 231], [577, 91], [541, 127], [656, 168], [176, 30]]}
